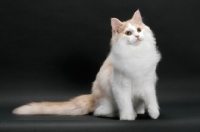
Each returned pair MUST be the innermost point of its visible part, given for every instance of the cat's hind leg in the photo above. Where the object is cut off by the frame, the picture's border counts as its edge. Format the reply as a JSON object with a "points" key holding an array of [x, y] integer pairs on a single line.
{"points": [[105, 107]]}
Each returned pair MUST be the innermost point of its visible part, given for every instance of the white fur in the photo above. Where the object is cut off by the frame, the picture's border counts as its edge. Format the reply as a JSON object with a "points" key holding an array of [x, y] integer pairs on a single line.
{"points": [[133, 77], [125, 84]]}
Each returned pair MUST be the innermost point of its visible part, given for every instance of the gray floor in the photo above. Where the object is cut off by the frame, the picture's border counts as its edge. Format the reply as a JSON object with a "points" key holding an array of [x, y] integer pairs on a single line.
{"points": [[178, 97]]}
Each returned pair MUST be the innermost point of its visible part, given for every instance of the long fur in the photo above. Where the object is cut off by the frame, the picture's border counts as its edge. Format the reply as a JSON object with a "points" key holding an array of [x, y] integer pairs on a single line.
{"points": [[78, 106], [124, 85]]}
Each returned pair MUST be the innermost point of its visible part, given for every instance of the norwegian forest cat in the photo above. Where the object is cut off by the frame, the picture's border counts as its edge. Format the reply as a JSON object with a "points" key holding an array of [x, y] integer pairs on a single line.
{"points": [[125, 83]]}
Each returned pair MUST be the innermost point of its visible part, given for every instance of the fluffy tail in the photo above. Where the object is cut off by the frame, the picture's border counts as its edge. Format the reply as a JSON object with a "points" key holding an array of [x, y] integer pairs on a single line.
{"points": [[80, 105]]}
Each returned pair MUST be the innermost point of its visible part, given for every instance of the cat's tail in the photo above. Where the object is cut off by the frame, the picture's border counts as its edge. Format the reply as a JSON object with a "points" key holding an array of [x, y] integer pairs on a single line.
{"points": [[80, 105]]}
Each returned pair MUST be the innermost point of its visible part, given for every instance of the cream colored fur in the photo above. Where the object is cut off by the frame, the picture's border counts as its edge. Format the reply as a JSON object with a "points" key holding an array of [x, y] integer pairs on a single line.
{"points": [[124, 85]]}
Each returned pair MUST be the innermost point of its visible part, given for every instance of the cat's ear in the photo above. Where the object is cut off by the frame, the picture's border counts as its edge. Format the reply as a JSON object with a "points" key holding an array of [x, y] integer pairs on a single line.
{"points": [[137, 17], [116, 24]]}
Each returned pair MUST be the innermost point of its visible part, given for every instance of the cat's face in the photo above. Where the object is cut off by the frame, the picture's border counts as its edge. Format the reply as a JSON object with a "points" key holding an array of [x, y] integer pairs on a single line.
{"points": [[131, 32]]}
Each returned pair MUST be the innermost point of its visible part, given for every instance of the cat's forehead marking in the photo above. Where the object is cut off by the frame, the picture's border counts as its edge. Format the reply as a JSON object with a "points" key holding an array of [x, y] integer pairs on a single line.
{"points": [[130, 27]]}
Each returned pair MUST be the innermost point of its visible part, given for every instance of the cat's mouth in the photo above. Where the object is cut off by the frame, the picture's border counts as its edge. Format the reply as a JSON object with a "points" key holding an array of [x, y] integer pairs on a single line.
{"points": [[135, 42]]}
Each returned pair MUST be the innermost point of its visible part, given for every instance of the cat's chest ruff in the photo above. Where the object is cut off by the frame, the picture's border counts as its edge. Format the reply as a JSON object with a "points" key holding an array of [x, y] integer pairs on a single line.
{"points": [[131, 62], [134, 60]]}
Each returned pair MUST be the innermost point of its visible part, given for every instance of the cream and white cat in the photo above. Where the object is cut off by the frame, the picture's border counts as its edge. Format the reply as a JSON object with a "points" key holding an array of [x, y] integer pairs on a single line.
{"points": [[125, 84]]}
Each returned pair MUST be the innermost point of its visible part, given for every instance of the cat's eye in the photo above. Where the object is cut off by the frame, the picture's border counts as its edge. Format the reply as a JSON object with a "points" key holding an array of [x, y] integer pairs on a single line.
{"points": [[128, 33], [139, 30]]}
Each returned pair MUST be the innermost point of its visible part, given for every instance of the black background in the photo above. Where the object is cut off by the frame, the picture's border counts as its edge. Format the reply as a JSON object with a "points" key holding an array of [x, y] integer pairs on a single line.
{"points": [[51, 50]]}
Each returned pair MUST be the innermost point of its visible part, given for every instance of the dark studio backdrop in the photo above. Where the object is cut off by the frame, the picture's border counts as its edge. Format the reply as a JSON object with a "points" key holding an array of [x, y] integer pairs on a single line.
{"points": [[51, 50]]}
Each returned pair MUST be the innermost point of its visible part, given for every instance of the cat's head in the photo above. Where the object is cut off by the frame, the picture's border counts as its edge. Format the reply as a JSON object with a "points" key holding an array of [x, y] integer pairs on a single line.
{"points": [[131, 32]]}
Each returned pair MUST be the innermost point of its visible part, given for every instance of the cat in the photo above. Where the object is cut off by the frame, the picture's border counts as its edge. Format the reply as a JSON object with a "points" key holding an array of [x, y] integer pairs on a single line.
{"points": [[125, 83]]}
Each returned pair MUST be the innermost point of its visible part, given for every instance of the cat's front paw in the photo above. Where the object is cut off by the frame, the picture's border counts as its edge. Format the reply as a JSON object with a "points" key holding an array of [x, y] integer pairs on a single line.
{"points": [[127, 116], [154, 113]]}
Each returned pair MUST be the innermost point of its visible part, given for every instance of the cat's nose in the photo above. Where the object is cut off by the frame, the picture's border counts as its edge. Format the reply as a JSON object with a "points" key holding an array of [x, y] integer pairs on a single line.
{"points": [[137, 36]]}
